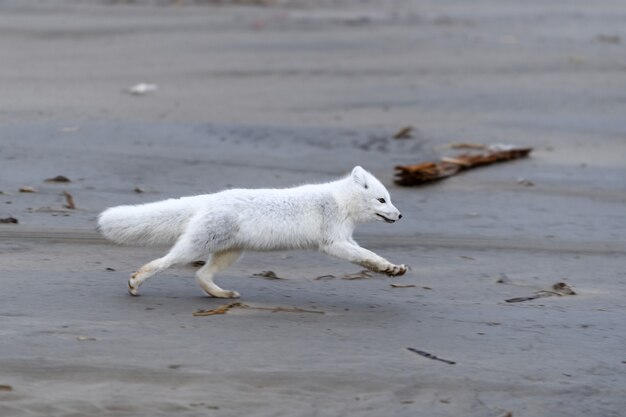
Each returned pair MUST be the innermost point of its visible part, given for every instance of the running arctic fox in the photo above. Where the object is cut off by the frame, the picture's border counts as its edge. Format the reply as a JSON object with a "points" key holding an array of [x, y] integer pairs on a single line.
{"points": [[221, 226]]}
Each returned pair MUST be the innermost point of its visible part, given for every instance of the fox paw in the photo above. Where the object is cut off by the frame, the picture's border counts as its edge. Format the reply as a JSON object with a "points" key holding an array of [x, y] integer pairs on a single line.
{"points": [[134, 291], [396, 270], [133, 285], [224, 294]]}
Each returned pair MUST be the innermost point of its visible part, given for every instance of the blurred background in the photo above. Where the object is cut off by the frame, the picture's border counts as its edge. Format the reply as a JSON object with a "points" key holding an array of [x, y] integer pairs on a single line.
{"points": [[258, 93], [137, 101]]}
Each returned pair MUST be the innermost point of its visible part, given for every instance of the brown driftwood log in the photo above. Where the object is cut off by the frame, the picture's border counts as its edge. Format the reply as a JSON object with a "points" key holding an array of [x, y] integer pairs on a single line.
{"points": [[425, 172]]}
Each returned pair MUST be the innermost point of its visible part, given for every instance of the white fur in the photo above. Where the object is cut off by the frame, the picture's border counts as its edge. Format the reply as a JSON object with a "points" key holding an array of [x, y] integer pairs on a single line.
{"points": [[221, 226]]}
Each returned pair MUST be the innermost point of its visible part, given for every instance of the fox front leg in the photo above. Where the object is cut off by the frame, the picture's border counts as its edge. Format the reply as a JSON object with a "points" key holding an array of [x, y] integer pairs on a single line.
{"points": [[351, 251]]}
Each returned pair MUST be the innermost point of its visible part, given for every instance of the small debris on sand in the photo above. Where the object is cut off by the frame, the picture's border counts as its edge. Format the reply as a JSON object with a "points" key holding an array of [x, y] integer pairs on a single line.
{"points": [[363, 274], [9, 220], [562, 288], [219, 310], [325, 277], [224, 308], [5, 387], [402, 285], [559, 289], [271, 275], [503, 279], [69, 201], [28, 189], [404, 133], [58, 178], [430, 356]]}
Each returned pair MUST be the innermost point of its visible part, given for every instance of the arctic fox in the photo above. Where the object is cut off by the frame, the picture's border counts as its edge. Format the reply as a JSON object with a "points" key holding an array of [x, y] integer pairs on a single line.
{"points": [[221, 226]]}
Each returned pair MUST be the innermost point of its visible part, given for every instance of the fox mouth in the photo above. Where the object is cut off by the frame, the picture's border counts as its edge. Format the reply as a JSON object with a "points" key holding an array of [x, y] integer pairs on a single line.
{"points": [[386, 219]]}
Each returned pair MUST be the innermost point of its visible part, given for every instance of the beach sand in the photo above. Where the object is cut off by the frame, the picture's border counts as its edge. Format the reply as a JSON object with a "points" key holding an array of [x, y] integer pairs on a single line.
{"points": [[272, 96]]}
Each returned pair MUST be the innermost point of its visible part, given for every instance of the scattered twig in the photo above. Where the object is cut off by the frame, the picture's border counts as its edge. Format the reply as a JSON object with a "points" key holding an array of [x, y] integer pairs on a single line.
{"points": [[522, 299], [219, 310], [325, 278], [430, 356], [401, 285], [363, 274], [559, 289], [224, 308], [404, 133], [69, 200]]}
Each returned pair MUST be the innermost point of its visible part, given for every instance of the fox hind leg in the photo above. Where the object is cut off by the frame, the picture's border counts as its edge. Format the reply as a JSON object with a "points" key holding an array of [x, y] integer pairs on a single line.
{"points": [[184, 251], [147, 271], [218, 262]]}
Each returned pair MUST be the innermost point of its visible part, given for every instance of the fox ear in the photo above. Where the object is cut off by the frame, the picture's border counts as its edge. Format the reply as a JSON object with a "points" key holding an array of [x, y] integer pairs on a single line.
{"points": [[359, 176]]}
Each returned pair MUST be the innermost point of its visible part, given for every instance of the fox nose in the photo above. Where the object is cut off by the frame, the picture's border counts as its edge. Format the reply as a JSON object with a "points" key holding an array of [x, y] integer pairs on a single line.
{"points": [[399, 216]]}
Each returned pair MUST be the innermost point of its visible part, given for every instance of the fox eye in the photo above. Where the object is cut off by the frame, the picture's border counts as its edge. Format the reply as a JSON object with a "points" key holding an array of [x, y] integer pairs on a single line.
{"points": [[381, 200]]}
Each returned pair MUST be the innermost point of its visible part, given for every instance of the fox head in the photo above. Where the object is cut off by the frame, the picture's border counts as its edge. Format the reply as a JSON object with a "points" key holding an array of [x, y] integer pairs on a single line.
{"points": [[372, 198]]}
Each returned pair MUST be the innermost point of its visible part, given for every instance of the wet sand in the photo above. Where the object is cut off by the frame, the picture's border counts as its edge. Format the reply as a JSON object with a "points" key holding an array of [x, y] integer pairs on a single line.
{"points": [[292, 93]]}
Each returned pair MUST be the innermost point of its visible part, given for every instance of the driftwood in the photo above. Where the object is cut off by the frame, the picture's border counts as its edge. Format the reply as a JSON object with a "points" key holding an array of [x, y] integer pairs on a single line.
{"points": [[559, 289], [224, 308], [418, 174]]}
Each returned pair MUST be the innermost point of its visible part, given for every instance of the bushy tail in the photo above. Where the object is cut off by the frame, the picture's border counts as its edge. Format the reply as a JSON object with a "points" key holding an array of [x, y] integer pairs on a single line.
{"points": [[152, 224]]}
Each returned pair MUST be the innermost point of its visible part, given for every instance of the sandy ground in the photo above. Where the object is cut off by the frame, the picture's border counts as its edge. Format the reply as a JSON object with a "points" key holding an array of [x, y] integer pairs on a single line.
{"points": [[296, 92]]}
